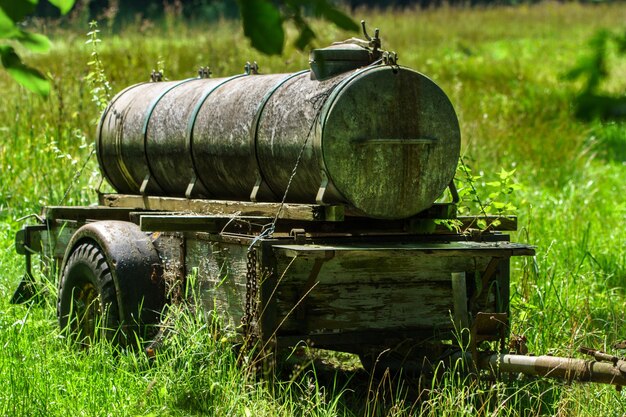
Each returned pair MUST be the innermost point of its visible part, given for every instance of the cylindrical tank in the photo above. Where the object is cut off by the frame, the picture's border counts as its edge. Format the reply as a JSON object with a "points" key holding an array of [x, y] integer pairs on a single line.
{"points": [[382, 139]]}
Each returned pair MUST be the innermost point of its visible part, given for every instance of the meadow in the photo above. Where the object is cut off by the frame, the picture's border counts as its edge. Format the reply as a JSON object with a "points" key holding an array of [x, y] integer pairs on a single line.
{"points": [[503, 69]]}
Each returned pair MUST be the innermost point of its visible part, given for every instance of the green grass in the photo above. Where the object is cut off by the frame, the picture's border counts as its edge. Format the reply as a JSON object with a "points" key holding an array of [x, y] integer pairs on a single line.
{"points": [[502, 69]]}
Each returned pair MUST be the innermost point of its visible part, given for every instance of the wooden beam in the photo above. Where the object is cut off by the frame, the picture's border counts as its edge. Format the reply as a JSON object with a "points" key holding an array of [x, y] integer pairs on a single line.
{"points": [[499, 249], [307, 212], [87, 213], [459, 298], [201, 223]]}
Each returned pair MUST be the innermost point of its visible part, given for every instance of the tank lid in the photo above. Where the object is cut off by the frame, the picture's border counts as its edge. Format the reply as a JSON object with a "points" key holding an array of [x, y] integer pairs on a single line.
{"points": [[348, 55], [337, 59]]}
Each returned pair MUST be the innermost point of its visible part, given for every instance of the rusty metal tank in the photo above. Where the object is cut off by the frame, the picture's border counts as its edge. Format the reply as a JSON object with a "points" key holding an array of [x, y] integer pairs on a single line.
{"points": [[382, 139]]}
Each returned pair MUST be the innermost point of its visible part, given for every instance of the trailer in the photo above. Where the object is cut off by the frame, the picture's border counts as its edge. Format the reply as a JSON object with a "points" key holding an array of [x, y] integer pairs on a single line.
{"points": [[339, 282], [300, 207]]}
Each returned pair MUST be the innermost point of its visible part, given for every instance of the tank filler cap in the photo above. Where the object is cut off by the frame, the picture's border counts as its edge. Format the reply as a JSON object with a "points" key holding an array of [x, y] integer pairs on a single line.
{"points": [[348, 55]]}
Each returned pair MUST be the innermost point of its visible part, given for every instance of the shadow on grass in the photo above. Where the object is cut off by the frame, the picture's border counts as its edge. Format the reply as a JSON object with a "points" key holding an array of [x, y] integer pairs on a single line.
{"points": [[450, 392]]}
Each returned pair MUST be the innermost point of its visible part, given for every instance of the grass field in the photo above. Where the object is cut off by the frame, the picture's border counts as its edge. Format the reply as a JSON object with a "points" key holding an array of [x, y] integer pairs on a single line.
{"points": [[502, 69]]}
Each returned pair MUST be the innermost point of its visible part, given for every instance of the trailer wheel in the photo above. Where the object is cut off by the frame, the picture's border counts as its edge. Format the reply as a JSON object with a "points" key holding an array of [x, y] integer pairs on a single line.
{"points": [[111, 285], [87, 304]]}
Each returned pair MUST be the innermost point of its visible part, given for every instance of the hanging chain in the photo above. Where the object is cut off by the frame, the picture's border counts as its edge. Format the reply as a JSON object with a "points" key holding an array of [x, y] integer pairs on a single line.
{"points": [[318, 101], [250, 316]]}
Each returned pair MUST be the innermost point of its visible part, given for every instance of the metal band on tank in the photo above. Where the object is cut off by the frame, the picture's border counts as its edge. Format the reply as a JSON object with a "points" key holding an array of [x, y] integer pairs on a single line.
{"points": [[257, 120], [151, 108], [192, 122], [118, 159]]}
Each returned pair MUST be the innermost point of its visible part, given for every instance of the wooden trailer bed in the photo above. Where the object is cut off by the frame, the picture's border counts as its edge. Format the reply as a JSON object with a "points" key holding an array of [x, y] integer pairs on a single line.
{"points": [[333, 280]]}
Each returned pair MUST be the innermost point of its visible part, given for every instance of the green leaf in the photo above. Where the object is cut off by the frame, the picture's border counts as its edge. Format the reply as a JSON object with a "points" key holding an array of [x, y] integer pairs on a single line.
{"points": [[34, 41], [263, 25], [17, 10], [336, 16], [504, 174], [63, 5], [7, 26], [24, 75]]}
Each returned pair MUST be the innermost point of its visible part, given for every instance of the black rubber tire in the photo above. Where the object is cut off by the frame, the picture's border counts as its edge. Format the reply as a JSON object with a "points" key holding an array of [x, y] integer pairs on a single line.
{"points": [[87, 306]]}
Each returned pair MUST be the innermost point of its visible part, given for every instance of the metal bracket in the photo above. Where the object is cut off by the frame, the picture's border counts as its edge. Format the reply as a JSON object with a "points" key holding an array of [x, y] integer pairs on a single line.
{"points": [[156, 76], [256, 188], [191, 186], [299, 236], [390, 58], [319, 198], [28, 288], [488, 327], [251, 69], [204, 72], [144, 185], [453, 192], [600, 356]]}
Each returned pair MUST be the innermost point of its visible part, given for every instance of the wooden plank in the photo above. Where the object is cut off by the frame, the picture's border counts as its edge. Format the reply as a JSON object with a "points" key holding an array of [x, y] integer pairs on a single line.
{"points": [[436, 211], [87, 213], [363, 226], [468, 249], [202, 223], [375, 270], [172, 251], [332, 218], [376, 290], [369, 292], [459, 295], [218, 278], [306, 212], [54, 241], [364, 306]]}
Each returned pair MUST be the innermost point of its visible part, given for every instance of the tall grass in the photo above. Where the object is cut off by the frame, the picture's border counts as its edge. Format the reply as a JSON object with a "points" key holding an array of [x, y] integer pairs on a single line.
{"points": [[501, 67]]}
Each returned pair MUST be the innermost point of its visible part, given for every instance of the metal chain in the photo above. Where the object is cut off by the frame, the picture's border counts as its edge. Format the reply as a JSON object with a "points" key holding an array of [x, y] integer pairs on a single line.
{"points": [[250, 316], [318, 101]]}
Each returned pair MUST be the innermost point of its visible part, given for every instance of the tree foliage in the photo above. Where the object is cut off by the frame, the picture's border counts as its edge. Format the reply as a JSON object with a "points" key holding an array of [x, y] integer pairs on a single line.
{"points": [[263, 21], [12, 12]]}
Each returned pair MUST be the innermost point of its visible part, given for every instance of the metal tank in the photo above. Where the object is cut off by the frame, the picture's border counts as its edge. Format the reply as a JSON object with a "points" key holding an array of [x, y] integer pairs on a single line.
{"points": [[372, 135]]}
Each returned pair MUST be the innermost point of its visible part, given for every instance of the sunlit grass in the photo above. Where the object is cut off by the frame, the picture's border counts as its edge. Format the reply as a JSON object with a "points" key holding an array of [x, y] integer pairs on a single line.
{"points": [[502, 69]]}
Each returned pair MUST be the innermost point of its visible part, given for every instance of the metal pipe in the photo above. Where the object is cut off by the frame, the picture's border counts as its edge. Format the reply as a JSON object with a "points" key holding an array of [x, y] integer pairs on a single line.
{"points": [[570, 369]]}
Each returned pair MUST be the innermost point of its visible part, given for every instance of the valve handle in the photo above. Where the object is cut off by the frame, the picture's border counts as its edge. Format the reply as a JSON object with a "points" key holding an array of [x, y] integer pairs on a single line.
{"points": [[375, 42]]}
